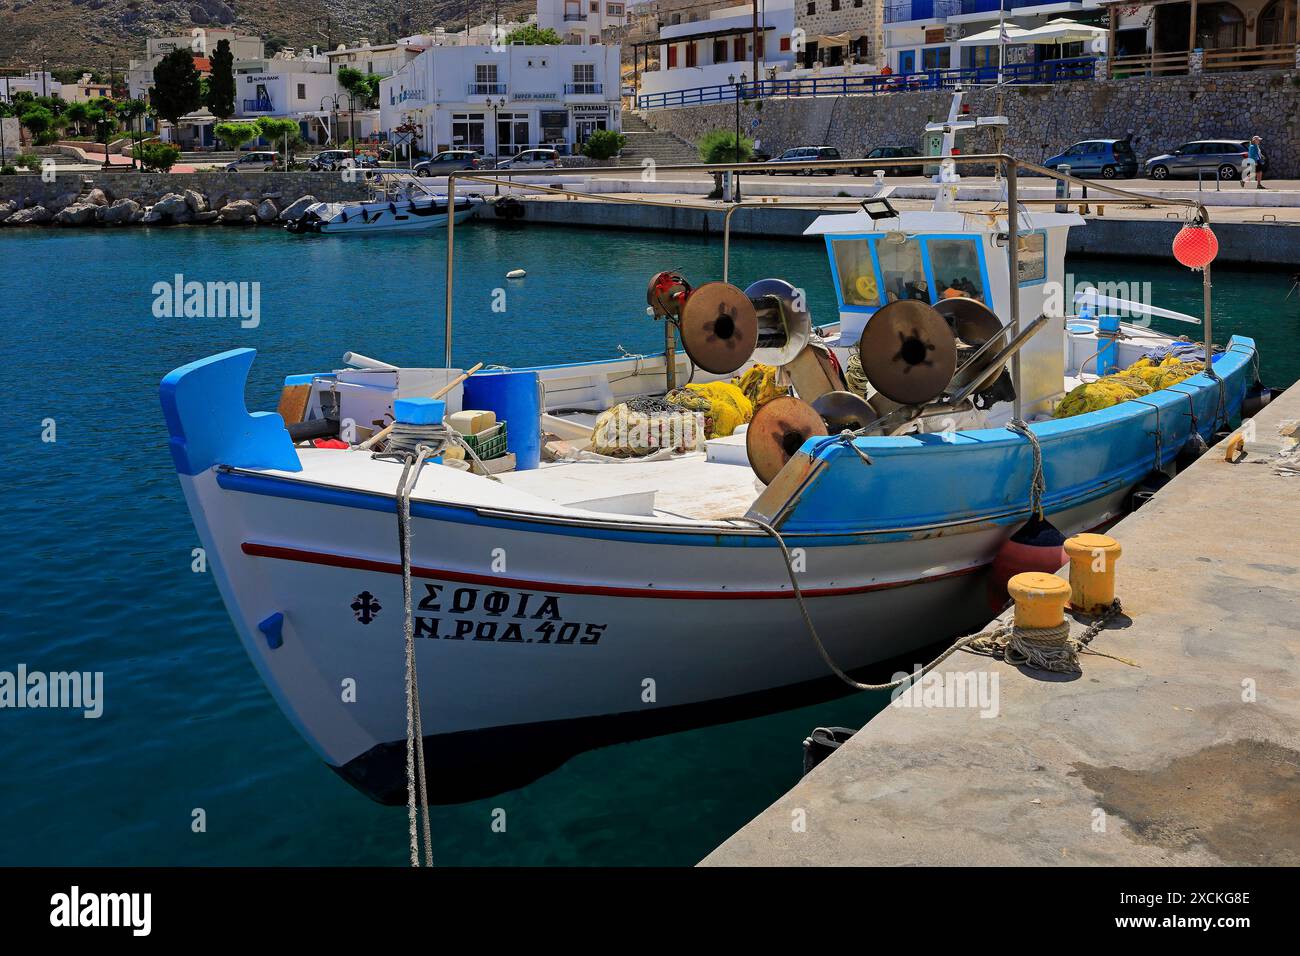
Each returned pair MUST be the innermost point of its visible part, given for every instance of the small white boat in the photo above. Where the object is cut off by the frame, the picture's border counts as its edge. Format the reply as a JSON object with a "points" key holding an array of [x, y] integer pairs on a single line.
{"points": [[402, 203]]}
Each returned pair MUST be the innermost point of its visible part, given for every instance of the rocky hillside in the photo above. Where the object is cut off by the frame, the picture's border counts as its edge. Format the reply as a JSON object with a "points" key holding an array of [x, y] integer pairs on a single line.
{"points": [[72, 34]]}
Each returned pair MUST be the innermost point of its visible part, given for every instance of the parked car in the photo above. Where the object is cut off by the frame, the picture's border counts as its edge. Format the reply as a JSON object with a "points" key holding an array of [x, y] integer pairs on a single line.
{"points": [[531, 159], [1106, 158], [804, 154], [449, 162], [255, 162], [1217, 157], [891, 152], [328, 159]]}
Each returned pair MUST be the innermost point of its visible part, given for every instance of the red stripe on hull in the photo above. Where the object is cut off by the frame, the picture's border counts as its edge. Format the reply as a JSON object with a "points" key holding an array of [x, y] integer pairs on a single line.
{"points": [[328, 559]]}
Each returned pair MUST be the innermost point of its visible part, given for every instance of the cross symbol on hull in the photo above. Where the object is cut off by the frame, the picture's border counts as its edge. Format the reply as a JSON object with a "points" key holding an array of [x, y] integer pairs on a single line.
{"points": [[365, 607]]}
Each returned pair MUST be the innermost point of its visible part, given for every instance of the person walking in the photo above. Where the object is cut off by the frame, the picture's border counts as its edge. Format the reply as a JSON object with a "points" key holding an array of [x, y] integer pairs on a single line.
{"points": [[1256, 156]]}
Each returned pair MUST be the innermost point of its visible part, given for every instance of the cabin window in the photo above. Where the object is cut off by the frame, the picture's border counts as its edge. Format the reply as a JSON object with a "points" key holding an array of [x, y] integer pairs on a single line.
{"points": [[903, 270], [955, 264], [856, 270]]}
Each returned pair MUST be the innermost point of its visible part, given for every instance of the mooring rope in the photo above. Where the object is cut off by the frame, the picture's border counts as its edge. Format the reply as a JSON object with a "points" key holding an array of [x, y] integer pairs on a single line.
{"points": [[1047, 648], [1037, 484], [414, 725]]}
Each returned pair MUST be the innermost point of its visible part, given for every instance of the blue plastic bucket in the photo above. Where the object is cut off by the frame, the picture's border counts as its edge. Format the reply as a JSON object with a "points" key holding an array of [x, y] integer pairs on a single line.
{"points": [[516, 398]]}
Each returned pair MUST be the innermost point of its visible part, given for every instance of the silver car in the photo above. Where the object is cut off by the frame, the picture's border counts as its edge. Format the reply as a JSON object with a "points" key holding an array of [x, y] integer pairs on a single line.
{"points": [[1204, 157], [532, 159], [254, 162]]}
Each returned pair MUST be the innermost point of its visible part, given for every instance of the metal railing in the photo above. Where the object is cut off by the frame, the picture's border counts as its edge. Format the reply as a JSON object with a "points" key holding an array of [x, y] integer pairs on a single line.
{"points": [[571, 17], [258, 106], [487, 89], [1049, 71], [580, 89]]}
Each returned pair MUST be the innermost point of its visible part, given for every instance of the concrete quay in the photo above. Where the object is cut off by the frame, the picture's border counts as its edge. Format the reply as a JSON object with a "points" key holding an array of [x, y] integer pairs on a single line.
{"points": [[1267, 237], [1190, 758]]}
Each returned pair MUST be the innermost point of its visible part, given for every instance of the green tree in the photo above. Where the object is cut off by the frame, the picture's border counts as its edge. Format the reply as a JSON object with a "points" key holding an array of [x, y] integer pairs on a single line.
{"points": [[176, 88], [533, 35], [364, 87], [221, 86], [603, 144], [282, 131], [38, 121], [236, 135], [720, 146], [77, 114]]}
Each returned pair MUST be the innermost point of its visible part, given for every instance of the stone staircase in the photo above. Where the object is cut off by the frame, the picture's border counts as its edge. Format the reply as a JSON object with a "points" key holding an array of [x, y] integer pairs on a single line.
{"points": [[646, 142]]}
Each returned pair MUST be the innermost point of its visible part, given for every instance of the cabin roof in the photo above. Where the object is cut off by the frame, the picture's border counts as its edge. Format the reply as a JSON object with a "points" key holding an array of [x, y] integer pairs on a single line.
{"points": [[924, 221]]}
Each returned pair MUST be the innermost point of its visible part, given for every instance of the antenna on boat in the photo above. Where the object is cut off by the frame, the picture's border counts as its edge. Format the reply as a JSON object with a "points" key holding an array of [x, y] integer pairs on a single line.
{"points": [[947, 178]]}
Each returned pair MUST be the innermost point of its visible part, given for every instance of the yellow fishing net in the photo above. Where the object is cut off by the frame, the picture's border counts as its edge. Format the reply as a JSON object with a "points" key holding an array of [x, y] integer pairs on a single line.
{"points": [[1141, 378], [724, 406], [759, 385]]}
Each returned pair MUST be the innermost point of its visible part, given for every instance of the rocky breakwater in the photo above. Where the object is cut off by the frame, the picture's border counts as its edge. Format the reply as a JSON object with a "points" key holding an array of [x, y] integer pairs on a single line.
{"points": [[98, 207], [151, 199]]}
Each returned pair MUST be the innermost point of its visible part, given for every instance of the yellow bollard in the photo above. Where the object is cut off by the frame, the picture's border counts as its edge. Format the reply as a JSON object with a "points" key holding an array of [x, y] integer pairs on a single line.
{"points": [[1092, 571], [1040, 599]]}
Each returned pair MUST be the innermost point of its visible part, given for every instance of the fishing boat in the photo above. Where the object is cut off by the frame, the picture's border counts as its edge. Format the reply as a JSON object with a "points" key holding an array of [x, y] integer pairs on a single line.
{"points": [[400, 203], [569, 603]]}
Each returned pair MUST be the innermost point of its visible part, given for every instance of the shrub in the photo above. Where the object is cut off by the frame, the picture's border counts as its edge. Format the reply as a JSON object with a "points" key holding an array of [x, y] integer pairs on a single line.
{"points": [[235, 135], [158, 156], [719, 146], [8, 171], [28, 161], [603, 143]]}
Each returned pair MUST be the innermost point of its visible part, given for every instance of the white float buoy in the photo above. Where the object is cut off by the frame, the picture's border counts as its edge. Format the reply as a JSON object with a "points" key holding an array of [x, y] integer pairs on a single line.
{"points": [[516, 274]]}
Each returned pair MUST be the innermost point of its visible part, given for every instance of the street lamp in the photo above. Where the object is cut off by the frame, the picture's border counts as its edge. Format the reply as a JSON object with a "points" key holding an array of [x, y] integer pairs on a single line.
{"points": [[495, 106], [735, 143]]}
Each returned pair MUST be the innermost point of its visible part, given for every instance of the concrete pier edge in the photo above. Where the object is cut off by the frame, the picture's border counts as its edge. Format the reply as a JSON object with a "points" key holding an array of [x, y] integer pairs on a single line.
{"points": [[1191, 758]]}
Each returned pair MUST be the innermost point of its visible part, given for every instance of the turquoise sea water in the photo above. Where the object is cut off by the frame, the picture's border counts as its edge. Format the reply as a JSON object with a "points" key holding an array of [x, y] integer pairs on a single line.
{"points": [[96, 555]]}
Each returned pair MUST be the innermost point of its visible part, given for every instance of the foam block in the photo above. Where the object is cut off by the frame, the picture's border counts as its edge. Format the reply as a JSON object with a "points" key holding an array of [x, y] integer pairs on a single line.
{"points": [[472, 421], [419, 411]]}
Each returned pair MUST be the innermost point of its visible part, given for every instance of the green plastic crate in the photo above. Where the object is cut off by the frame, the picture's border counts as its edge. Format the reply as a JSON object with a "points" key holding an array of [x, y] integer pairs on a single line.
{"points": [[489, 443]]}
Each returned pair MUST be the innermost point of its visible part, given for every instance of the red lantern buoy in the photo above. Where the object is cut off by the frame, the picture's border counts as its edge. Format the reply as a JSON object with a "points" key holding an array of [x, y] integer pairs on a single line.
{"points": [[1195, 246]]}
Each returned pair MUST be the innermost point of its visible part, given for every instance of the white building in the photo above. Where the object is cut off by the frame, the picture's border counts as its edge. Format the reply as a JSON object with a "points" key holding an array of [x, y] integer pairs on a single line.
{"points": [[583, 22], [710, 51], [202, 42], [923, 35], [292, 86], [502, 99], [382, 59], [35, 82]]}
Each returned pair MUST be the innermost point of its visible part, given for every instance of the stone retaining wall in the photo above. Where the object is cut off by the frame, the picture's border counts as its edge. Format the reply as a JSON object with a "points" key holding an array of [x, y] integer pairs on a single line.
{"points": [[1161, 113], [147, 188]]}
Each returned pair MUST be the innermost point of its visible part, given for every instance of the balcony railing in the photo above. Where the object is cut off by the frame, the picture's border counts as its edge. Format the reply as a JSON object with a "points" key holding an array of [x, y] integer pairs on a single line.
{"points": [[900, 11], [258, 106], [583, 89], [571, 17], [1049, 71], [487, 89]]}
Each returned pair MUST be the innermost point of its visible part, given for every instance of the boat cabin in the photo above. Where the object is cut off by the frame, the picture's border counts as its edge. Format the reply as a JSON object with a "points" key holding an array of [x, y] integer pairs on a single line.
{"points": [[933, 256]]}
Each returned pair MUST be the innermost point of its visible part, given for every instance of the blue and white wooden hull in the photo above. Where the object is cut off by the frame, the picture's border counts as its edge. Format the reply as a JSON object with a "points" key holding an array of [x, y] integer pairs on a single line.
{"points": [[544, 630]]}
